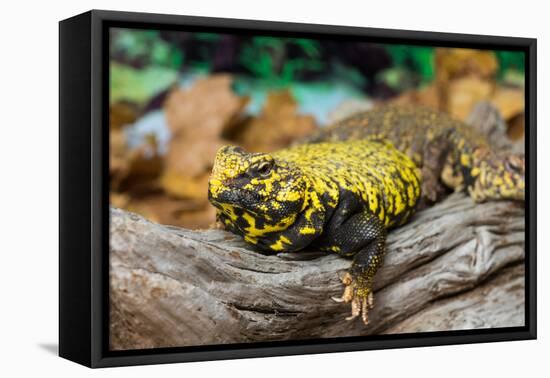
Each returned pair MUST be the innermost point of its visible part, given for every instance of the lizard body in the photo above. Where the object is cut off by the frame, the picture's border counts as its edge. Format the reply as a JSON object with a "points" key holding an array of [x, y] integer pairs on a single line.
{"points": [[448, 151], [335, 196], [344, 187]]}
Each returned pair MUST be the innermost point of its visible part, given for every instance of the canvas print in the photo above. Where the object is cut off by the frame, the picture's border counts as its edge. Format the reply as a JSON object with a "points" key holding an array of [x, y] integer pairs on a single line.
{"points": [[268, 188]]}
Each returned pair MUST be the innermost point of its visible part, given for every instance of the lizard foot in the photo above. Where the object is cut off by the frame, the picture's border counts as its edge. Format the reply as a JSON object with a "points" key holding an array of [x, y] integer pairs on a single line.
{"points": [[361, 298], [432, 191]]}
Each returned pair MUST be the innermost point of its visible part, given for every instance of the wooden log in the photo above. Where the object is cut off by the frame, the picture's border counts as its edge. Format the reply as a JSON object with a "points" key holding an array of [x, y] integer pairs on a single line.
{"points": [[496, 303], [175, 287]]}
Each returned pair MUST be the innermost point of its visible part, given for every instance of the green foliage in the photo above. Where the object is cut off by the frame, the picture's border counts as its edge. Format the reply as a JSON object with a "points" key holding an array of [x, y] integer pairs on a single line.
{"points": [[138, 85], [416, 63], [285, 62], [418, 60], [348, 74], [144, 47], [207, 37], [203, 63], [267, 58], [510, 61]]}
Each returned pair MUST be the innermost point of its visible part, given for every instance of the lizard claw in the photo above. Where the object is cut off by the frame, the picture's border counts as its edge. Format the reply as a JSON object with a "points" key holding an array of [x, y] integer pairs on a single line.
{"points": [[361, 299], [348, 294], [355, 309]]}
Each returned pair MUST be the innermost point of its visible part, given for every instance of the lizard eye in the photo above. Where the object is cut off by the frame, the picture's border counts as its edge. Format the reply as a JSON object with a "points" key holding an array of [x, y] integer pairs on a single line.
{"points": [[263, 168]]}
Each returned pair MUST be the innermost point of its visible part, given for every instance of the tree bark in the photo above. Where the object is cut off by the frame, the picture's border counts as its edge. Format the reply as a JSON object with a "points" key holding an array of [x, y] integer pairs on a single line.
{"points": [[456, 265]]}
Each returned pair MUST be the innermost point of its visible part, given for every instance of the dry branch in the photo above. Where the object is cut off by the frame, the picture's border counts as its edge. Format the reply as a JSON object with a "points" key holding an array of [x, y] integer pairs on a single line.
{"points": [[449, 268]]}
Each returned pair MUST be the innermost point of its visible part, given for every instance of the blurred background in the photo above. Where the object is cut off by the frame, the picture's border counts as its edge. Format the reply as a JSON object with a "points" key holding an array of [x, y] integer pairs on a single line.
{"points": [[176, 97]]}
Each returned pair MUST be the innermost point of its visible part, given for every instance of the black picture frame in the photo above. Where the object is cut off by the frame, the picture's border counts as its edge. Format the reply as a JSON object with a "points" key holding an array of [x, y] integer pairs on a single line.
{"points": [[83, 195]]}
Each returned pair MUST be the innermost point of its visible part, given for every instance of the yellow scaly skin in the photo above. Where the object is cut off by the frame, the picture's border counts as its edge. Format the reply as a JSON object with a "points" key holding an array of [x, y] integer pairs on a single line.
{"points": [[335, 196], [448, 151]]}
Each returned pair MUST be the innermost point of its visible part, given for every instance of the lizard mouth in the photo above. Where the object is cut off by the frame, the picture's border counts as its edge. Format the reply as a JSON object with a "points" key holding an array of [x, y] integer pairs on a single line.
{"points": [[234, 196]]}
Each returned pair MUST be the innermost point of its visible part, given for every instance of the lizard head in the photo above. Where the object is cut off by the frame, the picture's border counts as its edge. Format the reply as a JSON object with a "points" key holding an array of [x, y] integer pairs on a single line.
{"points": [[498, 176], [254, 192]]}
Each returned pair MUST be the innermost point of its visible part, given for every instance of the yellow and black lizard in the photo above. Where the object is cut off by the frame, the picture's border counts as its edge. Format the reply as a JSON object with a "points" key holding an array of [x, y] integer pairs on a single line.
{"points": [[346, 186], [448, 151]]}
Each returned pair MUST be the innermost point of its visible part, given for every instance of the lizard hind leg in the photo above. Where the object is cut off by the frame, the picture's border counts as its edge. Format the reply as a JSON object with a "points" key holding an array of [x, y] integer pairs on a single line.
{"points": [[435, 157]]}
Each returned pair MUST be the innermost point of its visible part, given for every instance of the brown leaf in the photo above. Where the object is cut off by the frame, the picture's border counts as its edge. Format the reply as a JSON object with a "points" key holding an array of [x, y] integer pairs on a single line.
{"points": [[167, 210], [277, 126], [118, 156], [453, 63], [132, 169], [121, 114], [427, 96], [464, 93], [516, 127], [204, 110], [191, 157], [463, 78], [509, 101], [120, 200], [198, 219], [197, 118], [186, 187]]}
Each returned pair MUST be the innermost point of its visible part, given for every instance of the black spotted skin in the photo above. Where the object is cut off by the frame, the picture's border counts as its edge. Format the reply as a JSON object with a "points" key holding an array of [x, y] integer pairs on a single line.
{"points": [[335, 196], [344, 187], [448, 151]]}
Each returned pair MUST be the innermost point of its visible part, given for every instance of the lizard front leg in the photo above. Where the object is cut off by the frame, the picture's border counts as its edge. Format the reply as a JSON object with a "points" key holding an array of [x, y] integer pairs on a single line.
{"points": [[364, 236], [360, 278]]}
